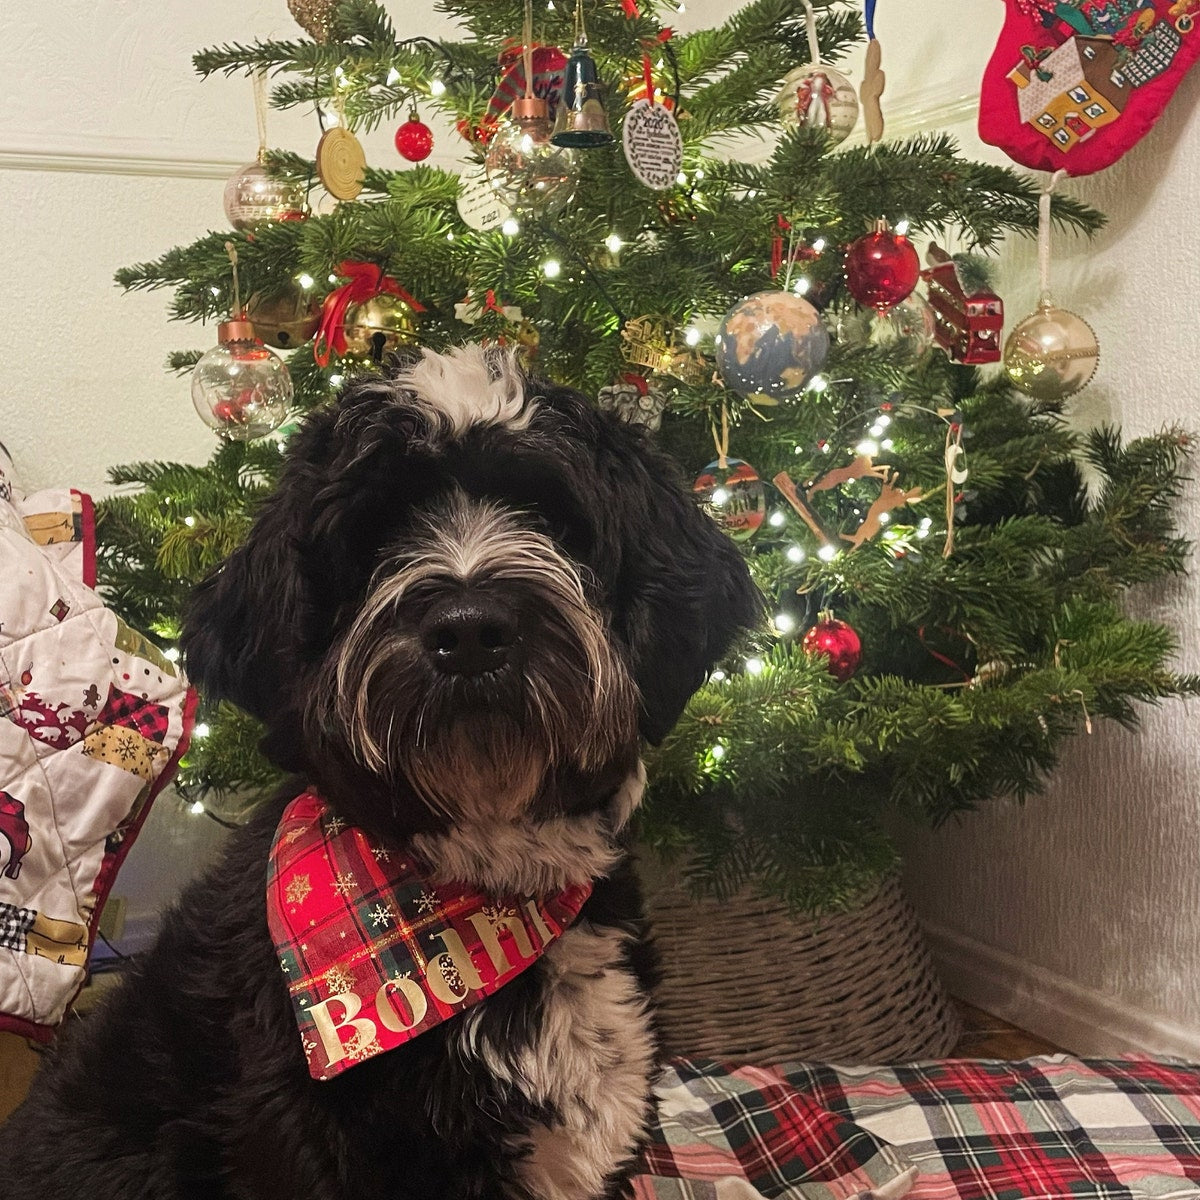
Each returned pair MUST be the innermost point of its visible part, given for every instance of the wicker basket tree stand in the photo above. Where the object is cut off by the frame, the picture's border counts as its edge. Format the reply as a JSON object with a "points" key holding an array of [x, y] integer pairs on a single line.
{"points": [[745, 980]]}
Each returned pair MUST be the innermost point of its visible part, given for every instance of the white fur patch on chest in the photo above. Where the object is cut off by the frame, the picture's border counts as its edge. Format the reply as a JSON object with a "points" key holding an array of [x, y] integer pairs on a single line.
{"points": [[592, 1062]]}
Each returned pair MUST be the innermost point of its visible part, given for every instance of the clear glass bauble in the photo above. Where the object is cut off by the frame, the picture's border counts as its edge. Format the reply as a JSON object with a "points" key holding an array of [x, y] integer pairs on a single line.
{"points": [[527, 171], [816, 96], [253, 196], [241, 390], [1051, 354], [771, 344], [912, 325], [734, 495]]}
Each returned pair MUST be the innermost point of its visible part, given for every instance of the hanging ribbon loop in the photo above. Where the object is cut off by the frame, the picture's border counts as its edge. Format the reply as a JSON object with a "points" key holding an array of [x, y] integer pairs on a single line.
{"points": [[1044, 237]]}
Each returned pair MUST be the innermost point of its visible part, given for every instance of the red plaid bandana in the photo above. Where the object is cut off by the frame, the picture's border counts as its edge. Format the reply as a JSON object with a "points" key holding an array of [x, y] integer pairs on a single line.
{"points": [[373, 952]]}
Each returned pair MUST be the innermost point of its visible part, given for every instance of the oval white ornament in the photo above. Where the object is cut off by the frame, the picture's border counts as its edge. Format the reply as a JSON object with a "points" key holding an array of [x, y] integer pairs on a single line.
{"points": [[653, 145], [478, 204]]}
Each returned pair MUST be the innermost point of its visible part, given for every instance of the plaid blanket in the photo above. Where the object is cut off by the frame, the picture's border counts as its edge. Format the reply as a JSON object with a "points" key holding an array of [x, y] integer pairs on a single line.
{"points": [[1051, 1128]]}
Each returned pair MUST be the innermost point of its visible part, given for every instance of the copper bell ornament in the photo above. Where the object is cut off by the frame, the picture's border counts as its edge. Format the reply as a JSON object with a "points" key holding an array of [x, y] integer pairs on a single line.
{"points": [[581, 121]]}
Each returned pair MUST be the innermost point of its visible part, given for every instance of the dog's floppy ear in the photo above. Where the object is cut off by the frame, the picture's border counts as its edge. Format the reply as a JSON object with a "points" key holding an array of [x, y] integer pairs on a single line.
{"points": [[683, 590], [241, 620], [245, 623]]}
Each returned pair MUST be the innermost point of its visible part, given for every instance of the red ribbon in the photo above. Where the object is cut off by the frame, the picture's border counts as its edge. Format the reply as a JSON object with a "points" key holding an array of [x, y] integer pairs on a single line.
{"points": [[664, 35], [781, 226], [631, 9], [366, 280], [946, 660], [490, 304]]}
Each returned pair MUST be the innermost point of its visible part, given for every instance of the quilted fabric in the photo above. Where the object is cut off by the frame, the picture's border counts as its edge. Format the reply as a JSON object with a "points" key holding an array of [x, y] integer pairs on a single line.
{"points": [[1073, 84], [93, 721]]}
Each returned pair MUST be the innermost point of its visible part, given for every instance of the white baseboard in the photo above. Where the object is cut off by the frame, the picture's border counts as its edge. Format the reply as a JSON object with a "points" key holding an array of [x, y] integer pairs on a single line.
{"points": [[1052, 1007]]}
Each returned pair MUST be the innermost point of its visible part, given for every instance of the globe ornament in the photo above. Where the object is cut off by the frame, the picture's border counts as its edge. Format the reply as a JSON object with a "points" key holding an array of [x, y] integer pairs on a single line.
{"points": [[254, 196], [527, 171], [771, 344], [817, 96], [1051, 354], [734, 495]]}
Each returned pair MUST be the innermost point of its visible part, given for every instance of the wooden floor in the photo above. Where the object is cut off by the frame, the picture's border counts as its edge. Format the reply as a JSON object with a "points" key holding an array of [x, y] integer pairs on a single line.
{"points": [[984, 1036]]}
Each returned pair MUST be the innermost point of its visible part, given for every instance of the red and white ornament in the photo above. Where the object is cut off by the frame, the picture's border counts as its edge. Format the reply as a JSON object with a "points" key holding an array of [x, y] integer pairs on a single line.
{"points": [[837, 642], [881, 268], [414, 139]]}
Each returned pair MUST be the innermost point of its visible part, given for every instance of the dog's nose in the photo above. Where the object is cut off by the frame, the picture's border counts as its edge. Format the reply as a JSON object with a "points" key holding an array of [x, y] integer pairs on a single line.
{"points": [[469, 635]]}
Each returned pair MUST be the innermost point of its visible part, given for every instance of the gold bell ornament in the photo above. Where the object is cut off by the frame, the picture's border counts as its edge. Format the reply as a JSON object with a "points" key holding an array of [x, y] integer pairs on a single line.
{"points": [[286, 318], [378, 326]]}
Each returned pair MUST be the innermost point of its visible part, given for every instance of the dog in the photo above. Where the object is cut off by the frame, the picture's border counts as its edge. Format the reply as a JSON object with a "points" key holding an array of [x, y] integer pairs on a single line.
{"points": [[469, 597]]}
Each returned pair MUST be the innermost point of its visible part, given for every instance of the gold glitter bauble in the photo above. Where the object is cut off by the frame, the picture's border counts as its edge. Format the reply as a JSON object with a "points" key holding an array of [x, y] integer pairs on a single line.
{"points": [[379, 325], [284, 319], [341, 163], [315, 17], [1051, 354]]}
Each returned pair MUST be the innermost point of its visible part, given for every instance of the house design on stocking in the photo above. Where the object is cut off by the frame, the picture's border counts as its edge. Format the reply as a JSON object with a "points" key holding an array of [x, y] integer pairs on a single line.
{"points": [[1072, 91]]}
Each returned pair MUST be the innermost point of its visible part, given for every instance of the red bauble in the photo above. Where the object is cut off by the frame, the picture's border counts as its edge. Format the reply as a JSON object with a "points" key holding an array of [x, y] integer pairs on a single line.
{"points": [[414, 140], [882, 268], [838, 642]]}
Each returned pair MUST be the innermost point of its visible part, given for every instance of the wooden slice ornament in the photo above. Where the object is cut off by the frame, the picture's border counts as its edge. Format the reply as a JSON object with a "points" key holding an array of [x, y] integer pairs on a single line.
{"points": [[341, 163]]}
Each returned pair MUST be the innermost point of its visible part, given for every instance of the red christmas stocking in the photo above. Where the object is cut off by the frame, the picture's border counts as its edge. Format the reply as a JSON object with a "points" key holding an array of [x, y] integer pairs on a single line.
{"points": [[1072, 84]]}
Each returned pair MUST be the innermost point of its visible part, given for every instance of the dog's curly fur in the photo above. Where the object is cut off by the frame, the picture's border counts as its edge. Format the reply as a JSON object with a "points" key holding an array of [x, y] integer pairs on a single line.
{"points": [[455, 476]]}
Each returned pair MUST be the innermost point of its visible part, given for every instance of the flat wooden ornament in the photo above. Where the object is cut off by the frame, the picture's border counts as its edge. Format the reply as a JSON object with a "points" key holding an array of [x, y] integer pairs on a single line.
{"points": [[341, 163], [871, 90]]}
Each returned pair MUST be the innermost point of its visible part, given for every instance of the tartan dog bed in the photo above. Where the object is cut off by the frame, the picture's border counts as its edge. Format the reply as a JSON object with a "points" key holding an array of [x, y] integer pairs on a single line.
{"points": [[1048, 1128]]}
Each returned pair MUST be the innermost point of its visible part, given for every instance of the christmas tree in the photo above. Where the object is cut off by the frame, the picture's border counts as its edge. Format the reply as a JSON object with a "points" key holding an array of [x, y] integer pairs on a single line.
{"points": [[946, 589]]}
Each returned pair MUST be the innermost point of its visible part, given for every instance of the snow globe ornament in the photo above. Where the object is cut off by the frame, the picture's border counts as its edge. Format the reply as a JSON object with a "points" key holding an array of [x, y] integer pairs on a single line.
{"points": [[732, 492], [254, 196], [817, 96], [1051, 354], [771, 344], [239, 388], [526, 170]]}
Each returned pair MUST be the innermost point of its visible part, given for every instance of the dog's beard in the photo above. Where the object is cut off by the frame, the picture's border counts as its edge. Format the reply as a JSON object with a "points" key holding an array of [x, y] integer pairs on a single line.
{"points": [[481, 746]]}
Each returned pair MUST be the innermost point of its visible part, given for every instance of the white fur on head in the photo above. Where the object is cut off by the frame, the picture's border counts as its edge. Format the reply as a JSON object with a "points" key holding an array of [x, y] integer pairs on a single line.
{"points": [[469, 385]]}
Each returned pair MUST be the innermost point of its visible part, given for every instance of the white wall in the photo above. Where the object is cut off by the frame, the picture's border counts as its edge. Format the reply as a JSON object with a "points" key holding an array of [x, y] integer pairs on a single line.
{"points": [[1078, 915]]}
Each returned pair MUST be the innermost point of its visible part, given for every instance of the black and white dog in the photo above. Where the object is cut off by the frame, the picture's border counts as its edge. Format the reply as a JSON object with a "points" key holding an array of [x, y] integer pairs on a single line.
{"points": [[469, 596]]}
